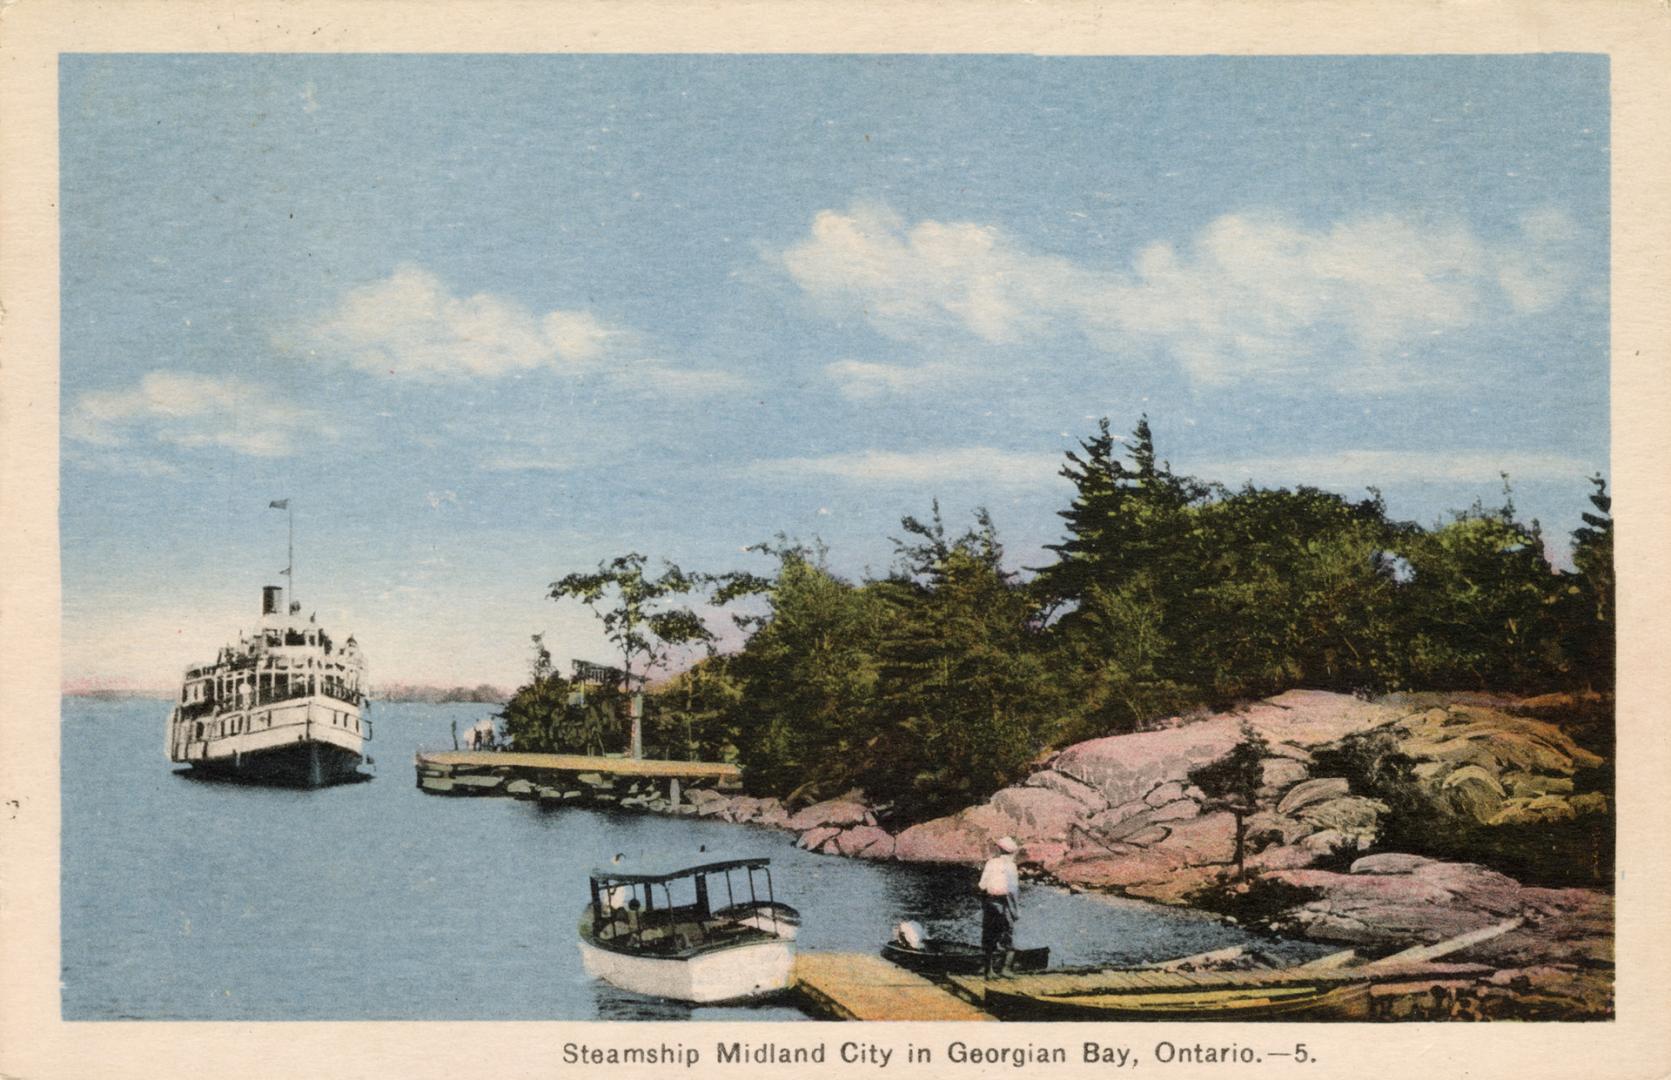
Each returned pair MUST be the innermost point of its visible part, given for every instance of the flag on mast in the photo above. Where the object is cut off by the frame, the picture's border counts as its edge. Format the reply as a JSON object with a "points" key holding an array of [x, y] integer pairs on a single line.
{"points": [[279, 504]]}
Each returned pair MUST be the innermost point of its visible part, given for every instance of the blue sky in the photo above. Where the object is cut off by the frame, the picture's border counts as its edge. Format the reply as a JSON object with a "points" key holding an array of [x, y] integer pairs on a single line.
{"points": [[488, 320]]}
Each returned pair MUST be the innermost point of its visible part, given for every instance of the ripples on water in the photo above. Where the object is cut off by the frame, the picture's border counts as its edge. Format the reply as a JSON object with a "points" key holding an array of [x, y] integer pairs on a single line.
{"points": [[186, 899]]}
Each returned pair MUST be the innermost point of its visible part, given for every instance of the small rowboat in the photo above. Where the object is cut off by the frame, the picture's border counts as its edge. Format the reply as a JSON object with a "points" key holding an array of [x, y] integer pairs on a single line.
{"points": [[939, 956], [1348, 1001]]}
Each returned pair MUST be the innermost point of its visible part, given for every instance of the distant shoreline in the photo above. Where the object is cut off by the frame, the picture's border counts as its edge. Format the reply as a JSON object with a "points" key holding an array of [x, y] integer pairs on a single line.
{"points": [[428, 695]]}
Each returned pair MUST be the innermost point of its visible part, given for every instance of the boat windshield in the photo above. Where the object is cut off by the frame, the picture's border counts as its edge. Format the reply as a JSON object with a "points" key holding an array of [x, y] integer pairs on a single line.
{"points": [[655, 908]]}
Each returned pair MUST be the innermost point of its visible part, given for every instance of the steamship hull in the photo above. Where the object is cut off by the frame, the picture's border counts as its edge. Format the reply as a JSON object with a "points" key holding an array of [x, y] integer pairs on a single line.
{"points": [[309, 765], [311, 742]]}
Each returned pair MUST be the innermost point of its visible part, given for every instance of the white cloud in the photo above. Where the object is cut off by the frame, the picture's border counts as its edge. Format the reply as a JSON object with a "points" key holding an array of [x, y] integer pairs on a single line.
{"points": [[862, 379], [194, 411], [988, 465], [930, 275], [410, 324], [1361, 468], [1250, 295]]}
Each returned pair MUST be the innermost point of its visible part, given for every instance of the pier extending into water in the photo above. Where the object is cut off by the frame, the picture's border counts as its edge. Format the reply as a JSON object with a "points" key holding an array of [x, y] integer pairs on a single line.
{"points": [[859, 986], [563, 778]]}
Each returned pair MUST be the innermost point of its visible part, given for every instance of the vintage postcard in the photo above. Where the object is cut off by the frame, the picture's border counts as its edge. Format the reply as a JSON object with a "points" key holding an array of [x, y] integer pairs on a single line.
{"points": [[650, 529]]}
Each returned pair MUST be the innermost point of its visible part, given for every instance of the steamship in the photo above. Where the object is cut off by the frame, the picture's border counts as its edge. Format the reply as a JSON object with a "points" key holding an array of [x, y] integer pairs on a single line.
{"points": [[285, 705]]}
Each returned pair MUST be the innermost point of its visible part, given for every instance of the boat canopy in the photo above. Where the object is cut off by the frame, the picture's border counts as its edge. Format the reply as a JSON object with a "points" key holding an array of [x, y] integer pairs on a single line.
{"points": [[650, 873]]}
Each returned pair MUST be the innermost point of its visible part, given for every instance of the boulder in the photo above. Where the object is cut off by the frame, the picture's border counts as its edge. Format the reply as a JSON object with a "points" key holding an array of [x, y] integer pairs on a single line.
{"points": [[699, 796], [1044, 854], [1170, 791], [1282, 773], [1116, 814], [1473, 792], [739, 808], [1127, 828], [1124, 768], [1208, 840], [1115, 871], [1310, 791], [1310, 718], [1591, 802], [1530, 785], [867, 841], [813, 839], [1352, 815], [1146, 836], [1328, 841], [1179, 886], [1281, 857], [840, 811], [1176, 810], [1080, 792], [771, 814], [1287, 829], [856, 840], [1544, 809], [1388, 862], [1037, 812], [963, 837]]}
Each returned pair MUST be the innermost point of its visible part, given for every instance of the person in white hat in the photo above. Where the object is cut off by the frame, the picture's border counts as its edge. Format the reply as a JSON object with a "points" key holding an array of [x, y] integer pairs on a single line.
{"points": [[1000, 890]]}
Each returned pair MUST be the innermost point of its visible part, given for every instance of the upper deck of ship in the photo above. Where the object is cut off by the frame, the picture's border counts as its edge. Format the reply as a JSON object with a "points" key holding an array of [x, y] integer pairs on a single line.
{"points": [[284, 657]]}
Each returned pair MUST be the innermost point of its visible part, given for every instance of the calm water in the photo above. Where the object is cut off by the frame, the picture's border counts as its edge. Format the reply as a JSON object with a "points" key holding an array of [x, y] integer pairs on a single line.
{"points": [[191, 900]]}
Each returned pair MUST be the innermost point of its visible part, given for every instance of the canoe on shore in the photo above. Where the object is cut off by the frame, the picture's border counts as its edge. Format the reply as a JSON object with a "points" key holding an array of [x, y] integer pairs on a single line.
{"points": [[1349, 1001]]}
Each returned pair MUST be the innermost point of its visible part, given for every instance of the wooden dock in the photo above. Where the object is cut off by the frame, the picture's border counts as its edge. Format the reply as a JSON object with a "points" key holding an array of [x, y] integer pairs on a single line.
{"points": [[858, 986], [712, 772], [1131, 981]]}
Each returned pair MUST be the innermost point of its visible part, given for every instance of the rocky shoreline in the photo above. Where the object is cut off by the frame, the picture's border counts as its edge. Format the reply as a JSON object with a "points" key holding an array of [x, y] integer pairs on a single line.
{"points": [[1119, 814]]}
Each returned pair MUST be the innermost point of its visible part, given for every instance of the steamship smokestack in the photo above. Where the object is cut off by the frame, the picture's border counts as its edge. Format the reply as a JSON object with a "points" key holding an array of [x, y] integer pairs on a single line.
{"points": [[271, 598]]}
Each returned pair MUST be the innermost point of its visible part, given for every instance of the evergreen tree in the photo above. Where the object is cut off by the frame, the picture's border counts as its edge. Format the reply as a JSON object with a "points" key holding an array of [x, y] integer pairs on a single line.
{"points": [[806, 677], [1232, 783], [964, 700], [1590, 621], [1480, 608]]}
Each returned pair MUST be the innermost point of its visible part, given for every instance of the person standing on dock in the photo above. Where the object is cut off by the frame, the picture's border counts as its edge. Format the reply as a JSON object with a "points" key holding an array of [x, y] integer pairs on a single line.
{"points": [[1000, 889]]}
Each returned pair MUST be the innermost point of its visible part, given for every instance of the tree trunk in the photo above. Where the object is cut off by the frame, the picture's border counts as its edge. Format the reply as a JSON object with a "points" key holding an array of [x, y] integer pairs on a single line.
{"points": [[1241, 836]]}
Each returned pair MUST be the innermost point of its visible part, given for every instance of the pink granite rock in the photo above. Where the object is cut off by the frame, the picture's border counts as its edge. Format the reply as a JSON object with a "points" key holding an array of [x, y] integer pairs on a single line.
{"points": [[1124, 768], [1282, 773], [1080, 792], [1037, 812], [963, 837], [1208, 840], [1109, 871], [858, 840], [1044, 854], [1310, 791], [812, 839], [1389, 862], [1170, 791], [840, 811], [1310, 718]]}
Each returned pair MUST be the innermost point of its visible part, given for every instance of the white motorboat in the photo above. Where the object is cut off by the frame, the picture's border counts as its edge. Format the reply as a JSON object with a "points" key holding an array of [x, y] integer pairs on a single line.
{"points": [[702, 934]]}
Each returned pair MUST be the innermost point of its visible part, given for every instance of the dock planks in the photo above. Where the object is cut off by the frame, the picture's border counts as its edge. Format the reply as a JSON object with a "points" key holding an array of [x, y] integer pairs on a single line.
{"points": [[858, 986], [714, 771], [1131, 981]]}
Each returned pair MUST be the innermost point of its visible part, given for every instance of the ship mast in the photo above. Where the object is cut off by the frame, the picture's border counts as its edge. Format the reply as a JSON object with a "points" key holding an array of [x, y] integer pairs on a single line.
{"points": [[290, 554]]}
